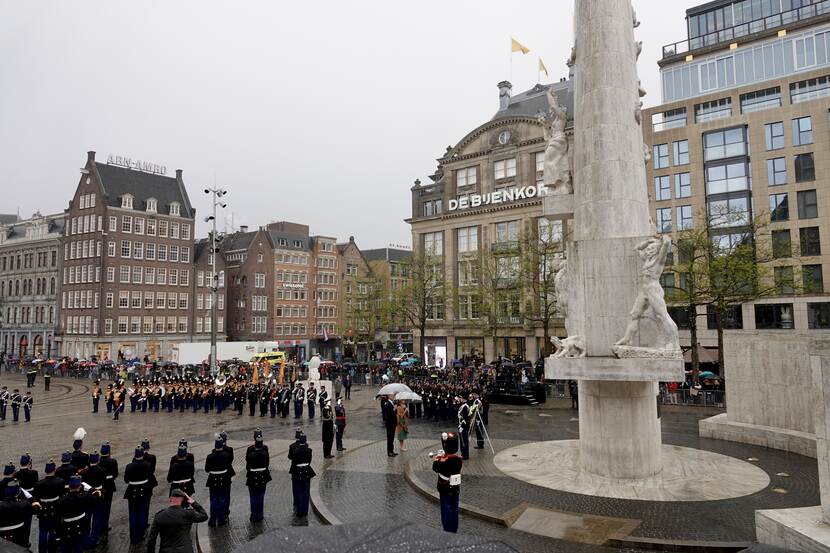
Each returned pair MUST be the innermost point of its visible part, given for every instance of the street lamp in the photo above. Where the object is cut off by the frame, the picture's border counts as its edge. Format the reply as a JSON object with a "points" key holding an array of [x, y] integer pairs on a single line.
{"points": [[214, 277]]}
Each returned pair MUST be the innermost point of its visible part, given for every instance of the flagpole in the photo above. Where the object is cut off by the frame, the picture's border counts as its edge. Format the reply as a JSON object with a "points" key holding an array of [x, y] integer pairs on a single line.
{"points": [[511, 59]]}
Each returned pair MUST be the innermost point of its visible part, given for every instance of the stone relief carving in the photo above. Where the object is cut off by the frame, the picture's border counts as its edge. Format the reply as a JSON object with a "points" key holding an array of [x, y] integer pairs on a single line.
{"points": [[638, 45], [646, 153], [571, 61], [638, 112], [640, 90], [557, 172], [650, 303], [634, 21], [572, 346]]}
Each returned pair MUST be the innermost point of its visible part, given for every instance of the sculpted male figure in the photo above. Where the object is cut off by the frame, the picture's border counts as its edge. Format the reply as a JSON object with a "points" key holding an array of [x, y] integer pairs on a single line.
{"points": [[557, 172], [653, 252]]}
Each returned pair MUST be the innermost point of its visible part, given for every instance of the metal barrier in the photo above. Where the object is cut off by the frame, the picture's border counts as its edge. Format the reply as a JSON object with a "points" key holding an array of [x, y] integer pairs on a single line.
{"points": [[685, 396]]}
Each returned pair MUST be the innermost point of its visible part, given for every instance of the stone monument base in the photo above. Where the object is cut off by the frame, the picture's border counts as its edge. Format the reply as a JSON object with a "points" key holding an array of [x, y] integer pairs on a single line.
{"points": [[720, 427], [627, 369], [797, 529]]}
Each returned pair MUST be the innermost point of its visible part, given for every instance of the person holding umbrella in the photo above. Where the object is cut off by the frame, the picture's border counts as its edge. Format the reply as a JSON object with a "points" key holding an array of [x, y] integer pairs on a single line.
{"points": [[390, 421], [402, 429]]}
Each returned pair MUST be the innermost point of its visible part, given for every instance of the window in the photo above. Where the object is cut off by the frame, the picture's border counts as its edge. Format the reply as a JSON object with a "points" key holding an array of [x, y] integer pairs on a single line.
{"points": [[465, 177], [126, 201], [126, 223], [174, 253], [684, 217], [111, 249], [781, 244], [730, 177], [138, 225], [662, 188], [777, 171], [681, 152], [259, 280], [431, 207], [761, 100], [122, 325], [774, 136], [664, 219], [161, 252], [152, 205], [152, 225], [724, 144], [110, 274], [809, 240], [784, 283], [660, 156], [818, 315], [162, 230], [124, 274], [733, 212], [434, 243], [138, 273], [716, 109], [779, 207], [811, 89], [467, 239], [807, 204], [682, 185], [506, 232], [505, 168], [174, 208], [174, 230], [731, 319], [802, 131], [150, 251], [812, 279], [805, 168], [123, 299], [125, 248], [669, 119]]}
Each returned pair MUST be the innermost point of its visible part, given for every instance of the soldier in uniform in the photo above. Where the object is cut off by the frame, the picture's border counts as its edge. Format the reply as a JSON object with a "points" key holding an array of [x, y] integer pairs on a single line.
{"points": [[299, 399], [181, 471], [72, 509], [273, 395], [47, 379], [188, 457], [263, 400], [28, 403], [4, 401], [8, 476], [301, 474], [109, 398], [328, 429], [253, 399], [66, 469], [15, 511], [448, 464], [16, 400], [139, 479], [48, 490], [110, 467], [228, 450], [311, 399], [95, 476], [284, 399], [464, 421], [322, 397], [339, 423], [217, 467], [27, 478], [96, 396], [257, 461], [173, 524], [79, 459]]}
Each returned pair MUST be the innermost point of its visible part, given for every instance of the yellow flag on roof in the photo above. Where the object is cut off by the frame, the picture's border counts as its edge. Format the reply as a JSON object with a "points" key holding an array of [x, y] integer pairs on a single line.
{"points": [[543, 68], [515, 46]]}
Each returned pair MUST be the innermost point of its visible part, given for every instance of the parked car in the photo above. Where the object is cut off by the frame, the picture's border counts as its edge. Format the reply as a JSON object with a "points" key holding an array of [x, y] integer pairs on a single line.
{"points": [[402, 357], [410, 361]]}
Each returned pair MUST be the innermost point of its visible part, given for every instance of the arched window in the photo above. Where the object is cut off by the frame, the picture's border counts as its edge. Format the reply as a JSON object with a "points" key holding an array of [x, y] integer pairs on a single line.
{"points": [[52, 289], [51, 315], [16, 287]]}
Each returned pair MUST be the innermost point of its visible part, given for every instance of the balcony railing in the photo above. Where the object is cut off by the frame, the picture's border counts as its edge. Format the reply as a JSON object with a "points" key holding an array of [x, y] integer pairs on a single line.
{"points": [[505, 246], [748, 28]]}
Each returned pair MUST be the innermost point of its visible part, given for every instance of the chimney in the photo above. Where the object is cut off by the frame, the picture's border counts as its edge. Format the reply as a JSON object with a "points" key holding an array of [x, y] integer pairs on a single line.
{"points": [[90, 156], [504, 94], [243, 228], [178, 174]]}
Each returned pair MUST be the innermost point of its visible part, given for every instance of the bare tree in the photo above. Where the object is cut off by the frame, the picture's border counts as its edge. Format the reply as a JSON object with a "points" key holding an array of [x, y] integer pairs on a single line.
{"points": [[423, 297]]}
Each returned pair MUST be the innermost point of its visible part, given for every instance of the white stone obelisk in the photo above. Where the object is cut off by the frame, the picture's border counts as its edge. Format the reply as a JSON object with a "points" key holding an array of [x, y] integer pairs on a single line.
{"points": [[618, 420]]}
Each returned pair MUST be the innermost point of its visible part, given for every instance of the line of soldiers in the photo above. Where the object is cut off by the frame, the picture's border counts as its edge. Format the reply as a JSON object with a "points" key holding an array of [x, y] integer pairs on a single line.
{"points": [[204, 395], [17, 401]]}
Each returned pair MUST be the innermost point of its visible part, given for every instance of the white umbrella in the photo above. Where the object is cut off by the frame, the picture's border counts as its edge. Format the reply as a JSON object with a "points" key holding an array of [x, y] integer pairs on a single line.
{"points": [[408, 396], [392, 389]]}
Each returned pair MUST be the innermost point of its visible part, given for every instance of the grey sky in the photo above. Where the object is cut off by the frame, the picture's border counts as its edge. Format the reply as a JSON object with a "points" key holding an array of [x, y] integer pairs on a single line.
{"points": [[316, 112]]}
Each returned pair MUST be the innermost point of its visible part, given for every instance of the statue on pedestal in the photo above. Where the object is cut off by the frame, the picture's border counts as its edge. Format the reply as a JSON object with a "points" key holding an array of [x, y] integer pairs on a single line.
{"points": [[314, 368], [650, 303], [572, 346], [557, 173]]}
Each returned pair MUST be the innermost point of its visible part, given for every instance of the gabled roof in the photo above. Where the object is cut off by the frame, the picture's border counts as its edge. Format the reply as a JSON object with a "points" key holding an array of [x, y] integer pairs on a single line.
{"points": [[118, 181], [238, 241], [530, 102], [386, 254], [290, 238]]}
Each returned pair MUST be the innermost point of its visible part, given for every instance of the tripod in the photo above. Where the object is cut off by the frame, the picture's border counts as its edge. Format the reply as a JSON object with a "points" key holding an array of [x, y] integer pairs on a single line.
{"points": [[478, 420]]}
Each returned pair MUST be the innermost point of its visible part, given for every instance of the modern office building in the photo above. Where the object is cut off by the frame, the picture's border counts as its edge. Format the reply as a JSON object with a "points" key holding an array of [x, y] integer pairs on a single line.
{"points": [[29, 284], [744, 130], [486, 192]]}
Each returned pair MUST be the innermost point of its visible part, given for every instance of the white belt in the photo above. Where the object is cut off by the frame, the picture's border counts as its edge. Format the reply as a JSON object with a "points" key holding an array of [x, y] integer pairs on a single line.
{"points": [[303, 465], [10, 528], [49, 499], [258, 470], [110, 476], [218, 471], [97, 487], [75, 519], [142, 482], [444, 477], [181, 481], [29, 490]]}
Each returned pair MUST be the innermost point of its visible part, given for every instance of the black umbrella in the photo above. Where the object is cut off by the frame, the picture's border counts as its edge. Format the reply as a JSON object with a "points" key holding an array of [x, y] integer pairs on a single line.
{"points": [[377, 536]]}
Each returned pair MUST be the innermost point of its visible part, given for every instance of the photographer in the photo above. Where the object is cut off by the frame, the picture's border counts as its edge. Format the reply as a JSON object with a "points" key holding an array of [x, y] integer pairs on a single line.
{"points": [[173, 524]]}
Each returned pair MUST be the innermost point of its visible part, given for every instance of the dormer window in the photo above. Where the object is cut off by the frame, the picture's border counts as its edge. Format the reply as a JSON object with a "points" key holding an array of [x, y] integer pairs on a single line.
{"points": [[152, 205], [127, 201], [174, 208]]}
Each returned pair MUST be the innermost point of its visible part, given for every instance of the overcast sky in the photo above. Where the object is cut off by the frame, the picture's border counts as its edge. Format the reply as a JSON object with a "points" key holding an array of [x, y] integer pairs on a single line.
{"points": [[316, 112]]}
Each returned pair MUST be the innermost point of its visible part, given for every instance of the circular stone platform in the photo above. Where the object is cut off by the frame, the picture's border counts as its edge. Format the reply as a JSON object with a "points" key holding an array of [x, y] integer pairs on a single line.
{"points": [[688, 474]]}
